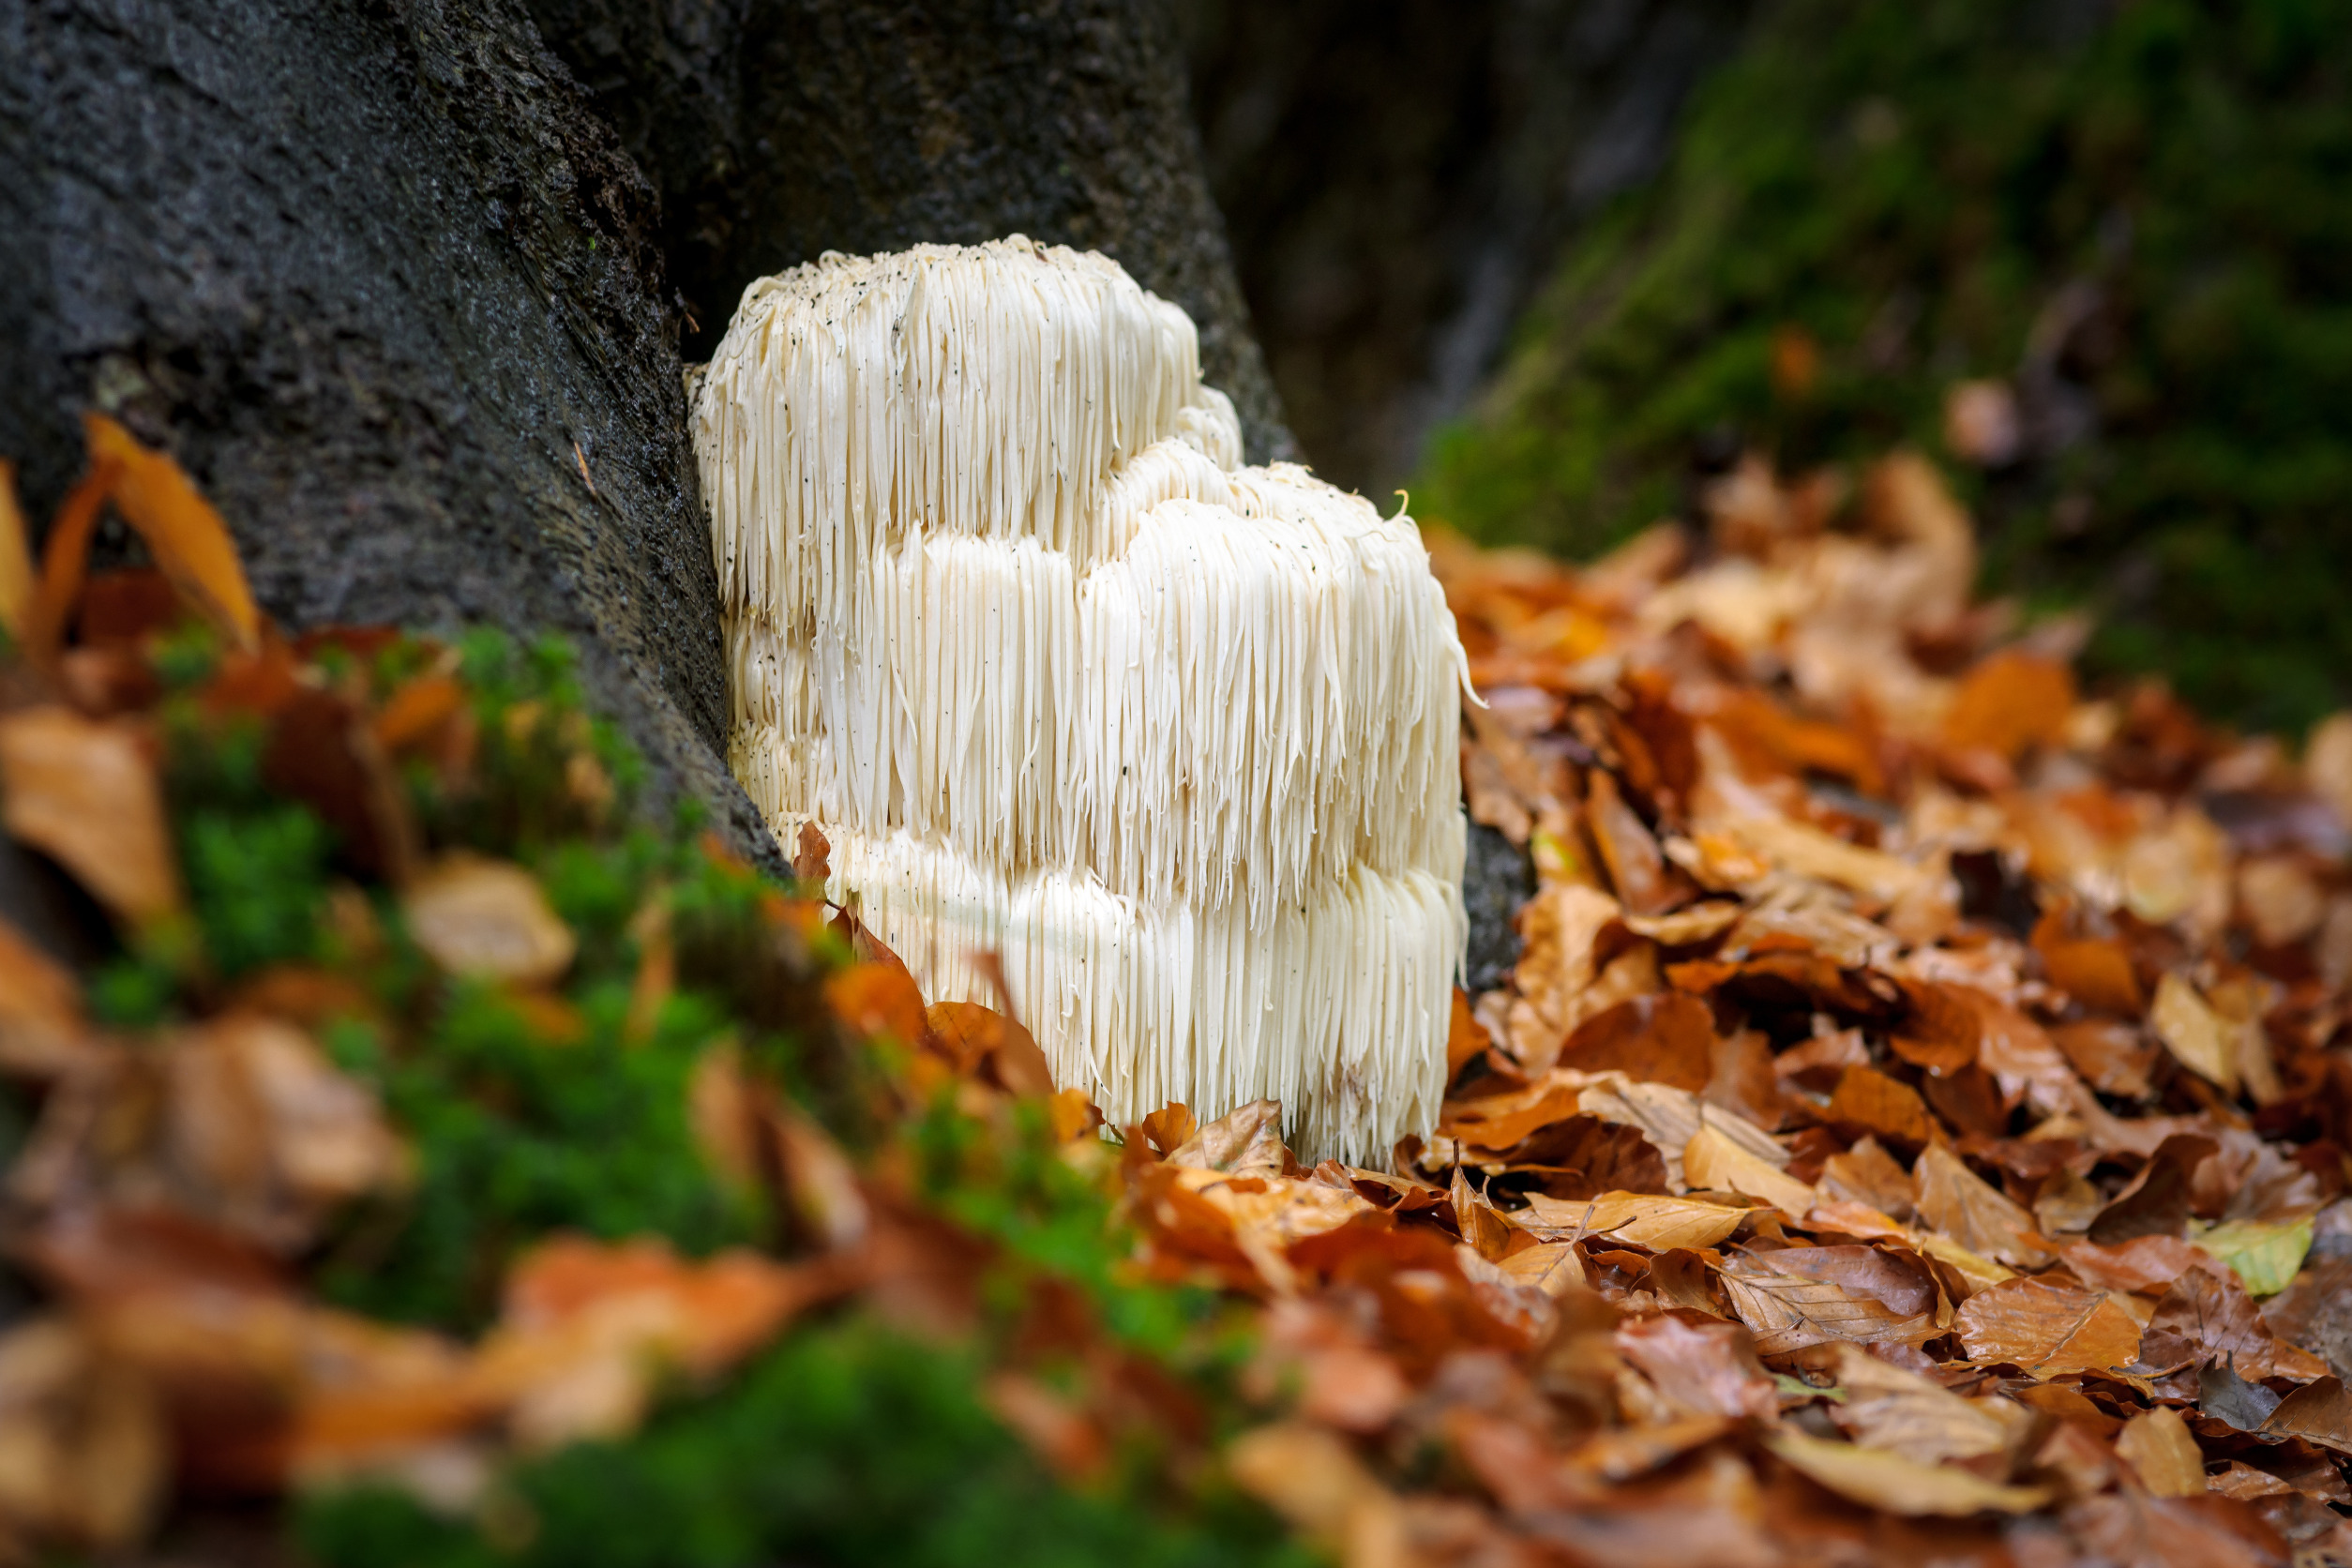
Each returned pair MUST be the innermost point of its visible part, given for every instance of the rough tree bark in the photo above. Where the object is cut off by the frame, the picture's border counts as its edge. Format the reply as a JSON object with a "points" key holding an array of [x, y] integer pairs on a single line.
{"points": [[390, 283]]}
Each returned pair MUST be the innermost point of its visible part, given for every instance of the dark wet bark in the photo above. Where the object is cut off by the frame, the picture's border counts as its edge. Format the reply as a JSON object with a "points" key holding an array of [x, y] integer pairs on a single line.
{"points": [[398, 290], [778, 129]]}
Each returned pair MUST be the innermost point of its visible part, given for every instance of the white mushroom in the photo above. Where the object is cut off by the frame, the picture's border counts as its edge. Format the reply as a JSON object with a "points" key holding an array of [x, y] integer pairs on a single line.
{"points": [[1060, 680]]}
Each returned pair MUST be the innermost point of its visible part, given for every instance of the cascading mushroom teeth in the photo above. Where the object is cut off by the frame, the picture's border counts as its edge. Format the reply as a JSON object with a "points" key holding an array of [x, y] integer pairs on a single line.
{"points": [[1064, 681]]}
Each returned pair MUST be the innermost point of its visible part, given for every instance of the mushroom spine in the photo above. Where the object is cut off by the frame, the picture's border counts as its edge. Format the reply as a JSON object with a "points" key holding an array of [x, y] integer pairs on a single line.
{"points": [[1062, 681]]}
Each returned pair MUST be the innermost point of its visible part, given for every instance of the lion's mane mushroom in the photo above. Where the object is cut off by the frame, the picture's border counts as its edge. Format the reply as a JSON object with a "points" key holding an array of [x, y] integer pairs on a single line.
{"points": [[1061, 681]]}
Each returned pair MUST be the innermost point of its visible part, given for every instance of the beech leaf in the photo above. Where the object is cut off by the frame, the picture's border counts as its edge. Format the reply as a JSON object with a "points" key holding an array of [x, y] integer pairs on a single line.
{"points": [[2045, 1330], [84, 792]]}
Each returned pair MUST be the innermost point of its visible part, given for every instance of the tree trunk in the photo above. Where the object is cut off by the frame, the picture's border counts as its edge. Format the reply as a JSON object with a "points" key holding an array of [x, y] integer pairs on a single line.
{"points": [[393, 288]]}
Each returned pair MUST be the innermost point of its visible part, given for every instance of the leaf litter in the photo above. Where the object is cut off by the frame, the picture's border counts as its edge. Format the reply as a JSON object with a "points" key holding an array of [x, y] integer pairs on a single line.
{"points": [[1917, 1118]]}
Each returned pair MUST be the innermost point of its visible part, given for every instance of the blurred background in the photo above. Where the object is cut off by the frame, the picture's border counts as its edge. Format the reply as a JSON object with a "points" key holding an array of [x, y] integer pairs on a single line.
{"points": [[1554, 264]]}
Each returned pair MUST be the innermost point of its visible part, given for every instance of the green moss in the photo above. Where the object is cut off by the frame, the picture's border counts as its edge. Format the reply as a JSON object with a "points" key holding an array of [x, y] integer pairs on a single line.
{"points": [[1916, 186], [846, 1445], [566, 1108]]}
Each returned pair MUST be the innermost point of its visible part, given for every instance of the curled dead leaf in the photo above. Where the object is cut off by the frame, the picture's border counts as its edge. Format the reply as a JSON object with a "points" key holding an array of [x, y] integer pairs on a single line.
{"points": [[84, 792], [488, 918], [187, 538], [1877, 1479]]}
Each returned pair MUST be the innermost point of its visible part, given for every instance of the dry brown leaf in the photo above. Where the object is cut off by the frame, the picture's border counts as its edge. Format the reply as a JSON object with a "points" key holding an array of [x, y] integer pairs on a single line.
{"points": [[1890, 1407], [1653, 1220], [818, 1177], [84, 1458], [1877, 1479], [186, 536], [487, 918], [1958, 1203], [1699, 1369], [1787, 1312], [1314, 1480], [1247, 1141], [587, 1328], [2009, 702], [1868, 1175], [1713, 1161], [40, 1010], [1881, 1107], [2210, 1313], [1664, 1037], [2319, 1411], [2045, 1330], [2142, 1263], [2157, 1445], [2194, 1033], [16, 557], [84, 792], [1881, 878]]}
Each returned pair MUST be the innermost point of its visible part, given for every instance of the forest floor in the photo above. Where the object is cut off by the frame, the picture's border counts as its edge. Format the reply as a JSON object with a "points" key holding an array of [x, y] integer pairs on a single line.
{"points": [[1916, 1127]]}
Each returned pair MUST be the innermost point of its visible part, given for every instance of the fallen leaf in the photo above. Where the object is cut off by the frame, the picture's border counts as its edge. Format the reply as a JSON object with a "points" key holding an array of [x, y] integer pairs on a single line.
{"points": [[2045, 1330], [2157, 1445], [84, 792], [85, 1460], [588, 1326], [16, 558], [40, 1010], [1314, 1480], [1958, 1203], [1787, 1312], [2213, 1316], [2192, 1032], [2156, 1201], [1887, 1407], [1712, 1160], [2265, 1254], [1664, 1037], [2227, 1397], [2320, 1412], [2142, 1263], [1867, 1174], [186, 536], [1654, 1220], [1699, 1369], [1878, 1479], [487, 918], [2094, 971], [983, 1038], [813, 855], [2009, 702], [1881, 1107], [1060, 1433], [1245, 1141]]}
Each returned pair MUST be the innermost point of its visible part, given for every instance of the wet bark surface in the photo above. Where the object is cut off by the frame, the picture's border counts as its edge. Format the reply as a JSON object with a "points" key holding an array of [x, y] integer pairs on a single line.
{"points": [[382, 279], [399, 291], [778, 129]]}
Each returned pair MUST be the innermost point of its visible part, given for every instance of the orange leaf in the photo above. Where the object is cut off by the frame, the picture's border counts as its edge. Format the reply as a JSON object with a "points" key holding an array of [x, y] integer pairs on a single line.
{"points": [[2009, 702], [1884, 1107], [16, 557], [2046, 1330], [1665, 1037], [85, 793], [65, 560], [190, 541], [1960, 1204]]}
